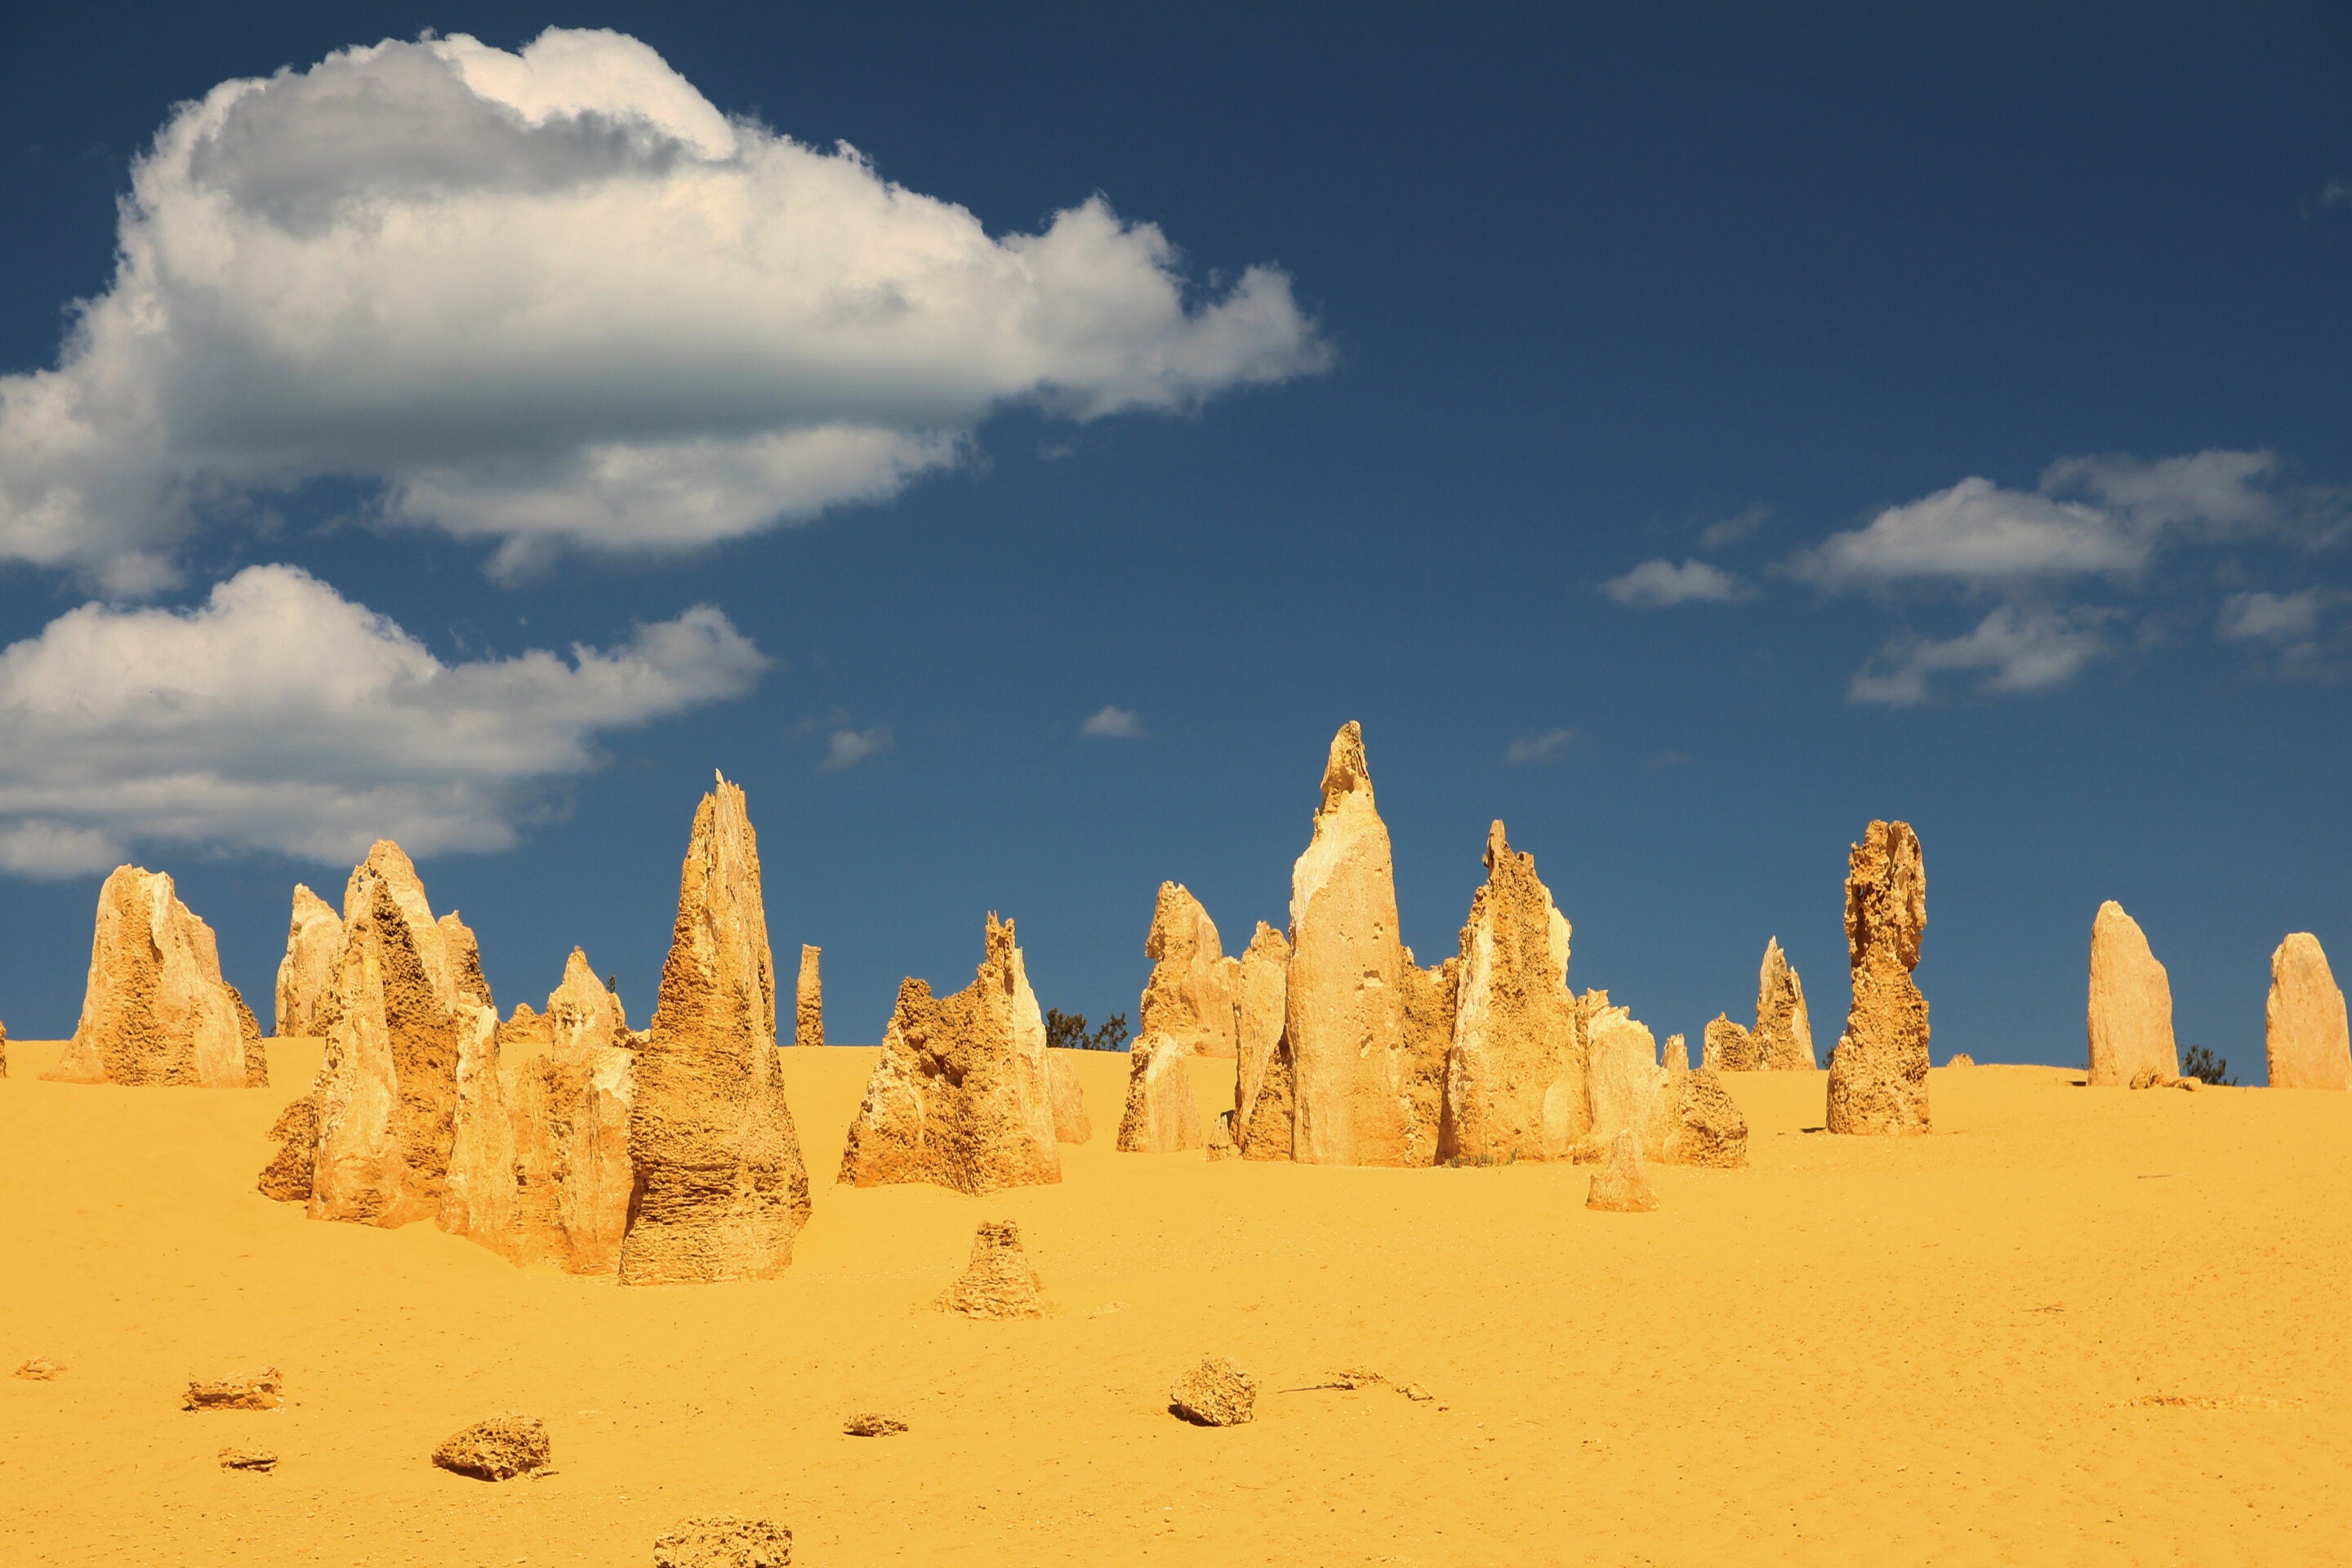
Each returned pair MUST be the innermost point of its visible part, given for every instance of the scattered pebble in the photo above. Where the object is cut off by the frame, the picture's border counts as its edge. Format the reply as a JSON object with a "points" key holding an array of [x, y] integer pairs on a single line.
{"points": [[39, 1370], [873, 1423], [1214, 1393], [263, 1390], [260, 1459]]}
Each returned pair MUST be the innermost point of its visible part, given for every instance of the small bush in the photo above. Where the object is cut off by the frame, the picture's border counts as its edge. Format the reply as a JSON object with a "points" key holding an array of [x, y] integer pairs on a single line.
{"points": [[1068, 1032], [2200, 1063]]}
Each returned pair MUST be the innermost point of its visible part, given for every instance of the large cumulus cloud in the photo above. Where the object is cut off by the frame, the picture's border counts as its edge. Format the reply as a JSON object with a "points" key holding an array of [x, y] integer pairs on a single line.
{"points": [[556, 299]]}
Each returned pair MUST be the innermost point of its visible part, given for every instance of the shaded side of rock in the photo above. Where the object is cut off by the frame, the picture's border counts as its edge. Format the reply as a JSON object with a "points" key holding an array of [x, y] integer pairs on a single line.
{"points": [[2303, 1032], [1189, 996], [808, 999], [962, 1094], [1214, 1393], [1699, 1124], [156, 1010], [497, 1449], [998, 1282], [720, 1190], [1270, 1132], [1513, 1076], [1163, 1114], [1621, 1186], [1784, 1027], [1260, 985], [1878, 1075], [1432, 998], [2129, 1015], [464, 956], [314, 937], [1728, 1046]]}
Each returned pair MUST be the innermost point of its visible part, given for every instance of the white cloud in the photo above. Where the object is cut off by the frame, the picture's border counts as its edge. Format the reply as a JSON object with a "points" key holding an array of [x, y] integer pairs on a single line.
{"points": [[1113, 723], [1733, 529], [2015, 648], [556, 299], [2336, 193], [848, 748], [2274, 617], [1656, 585], [279, 715], [1548, 747]]}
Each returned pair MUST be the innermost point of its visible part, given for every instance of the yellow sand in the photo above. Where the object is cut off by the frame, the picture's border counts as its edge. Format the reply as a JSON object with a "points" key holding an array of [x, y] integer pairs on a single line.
{"points": [[2075, 1326]]}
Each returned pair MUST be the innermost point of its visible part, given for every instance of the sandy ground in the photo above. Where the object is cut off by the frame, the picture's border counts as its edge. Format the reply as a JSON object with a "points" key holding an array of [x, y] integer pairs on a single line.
{"points": [[2074, 1327]]}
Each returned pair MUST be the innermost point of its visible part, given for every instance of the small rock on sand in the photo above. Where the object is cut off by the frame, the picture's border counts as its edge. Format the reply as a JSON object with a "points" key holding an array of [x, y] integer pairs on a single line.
{"points": [[873, 1423], [496, 1449], [1214, 1393], [1620, 1186], [725, 1542], [998, 1282], [260, 1459], [1961, 1059], [263, 1390], [39, 1370]]}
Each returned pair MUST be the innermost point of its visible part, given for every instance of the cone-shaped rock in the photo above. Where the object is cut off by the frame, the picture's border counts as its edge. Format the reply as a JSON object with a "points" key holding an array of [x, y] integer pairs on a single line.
{"points": [[156, 1010], [1677, 1054], [1431, 999], [1697, 1123], [1190, 997], [808, 1000], [1163, 1114], [1259, 986], [962, 1094], [1621, 1186], [720, 1190], [1071, 1122], [2303, 1025], [1514, 1078], [1344, 1006], [1728, 1046], [1784, 1028], [999, 1281], [465, 961], [1878, 1076], [2130, 1013], [1625, 1086], [314, 938]]}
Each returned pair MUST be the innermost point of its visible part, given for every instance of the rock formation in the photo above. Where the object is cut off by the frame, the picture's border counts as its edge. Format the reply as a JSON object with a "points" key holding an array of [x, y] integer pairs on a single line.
{"points": [[263, 1390], [999, 1281], [2130, 1013], [1163, 1114], [1190, 997], [1432, 998], [1625, 1087], [1878, 1076], [1677, 1054], [2303, 1023], [1698, 1123], [540, 1167], [1784, 1028], [1214, 1393], [1071, 1123], [1621, 1186], [1344, 1032], [808, 1001], [960, 1095], [314, 938], [465, 961], [4, 1050], [720, 1190], [1728, 1047], [156, 1010], [497, 1449], [725, 1541], [1514, 1077], [1259, 986]]}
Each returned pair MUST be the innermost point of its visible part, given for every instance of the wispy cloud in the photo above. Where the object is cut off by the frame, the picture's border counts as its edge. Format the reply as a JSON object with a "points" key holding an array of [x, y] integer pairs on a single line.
{"points": [[1659, 585], [848, 748], [1113, 723], [1548, 747], [1740, 525], [2335, 194], [2012, 649]]}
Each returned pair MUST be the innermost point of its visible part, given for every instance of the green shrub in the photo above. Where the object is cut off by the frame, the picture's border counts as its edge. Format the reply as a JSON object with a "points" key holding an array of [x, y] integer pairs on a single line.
{"points": [[1068, 1032], [2200, 1063]]}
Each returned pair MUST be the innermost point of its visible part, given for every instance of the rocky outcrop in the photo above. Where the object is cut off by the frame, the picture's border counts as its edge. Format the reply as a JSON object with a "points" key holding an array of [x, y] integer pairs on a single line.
{"points": [[156, 1010], [1163, 1114], [1677, 1054], [1878, 1076], [1071, 1122], [287, 1177], [1260, 983], [497, 1449], [960, 1095], [1624, 1084], [1271, 1130], [465, 961], [1784, 1028], [725, 1541], [1621, 1186], [2130, 1011], [1344, 1006], [2303, 1023], [1728, 1047], [263, 1390], [999, 1281], [1699, 1124], [1190, 997], [1514, 1077], [314, 938], [808, 1000], [720, 1190], [1214, 1393]]}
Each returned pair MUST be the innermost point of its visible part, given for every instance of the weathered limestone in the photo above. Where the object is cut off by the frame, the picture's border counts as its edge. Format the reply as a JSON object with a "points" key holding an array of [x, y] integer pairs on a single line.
{"points": [[1726, 1046], [4, 1050], [540, 1167], [1625, 1086], [1514, 1077], [720, 1190], [1190, 997], [156, 1010], [1163, 1114], [465, 961], [2303, 1023], [1259, 988], [1432, 998], [960, 1095], [1000, 1282], [1214, 1393], [1677, 1054], [314, 937], [2130, 1011], [725, 1541], [1344, 1006], [1784, 1028], [1071, 1122], [1621, 1186], [1878, 1076], [1698, 1123], [808, 1000], [497, 1449]]}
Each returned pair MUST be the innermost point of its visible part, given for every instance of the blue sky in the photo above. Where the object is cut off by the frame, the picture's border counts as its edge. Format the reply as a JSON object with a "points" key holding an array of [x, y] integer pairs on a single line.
{"points": [[1685, 437]]}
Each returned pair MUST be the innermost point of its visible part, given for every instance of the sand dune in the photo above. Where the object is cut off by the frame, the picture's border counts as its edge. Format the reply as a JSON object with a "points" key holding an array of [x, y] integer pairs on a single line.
{"points": [[2073, 1326]]}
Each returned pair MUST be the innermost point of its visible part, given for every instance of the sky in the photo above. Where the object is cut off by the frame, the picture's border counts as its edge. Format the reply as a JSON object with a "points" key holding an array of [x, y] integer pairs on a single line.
{"points": [[1010, 446]]}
